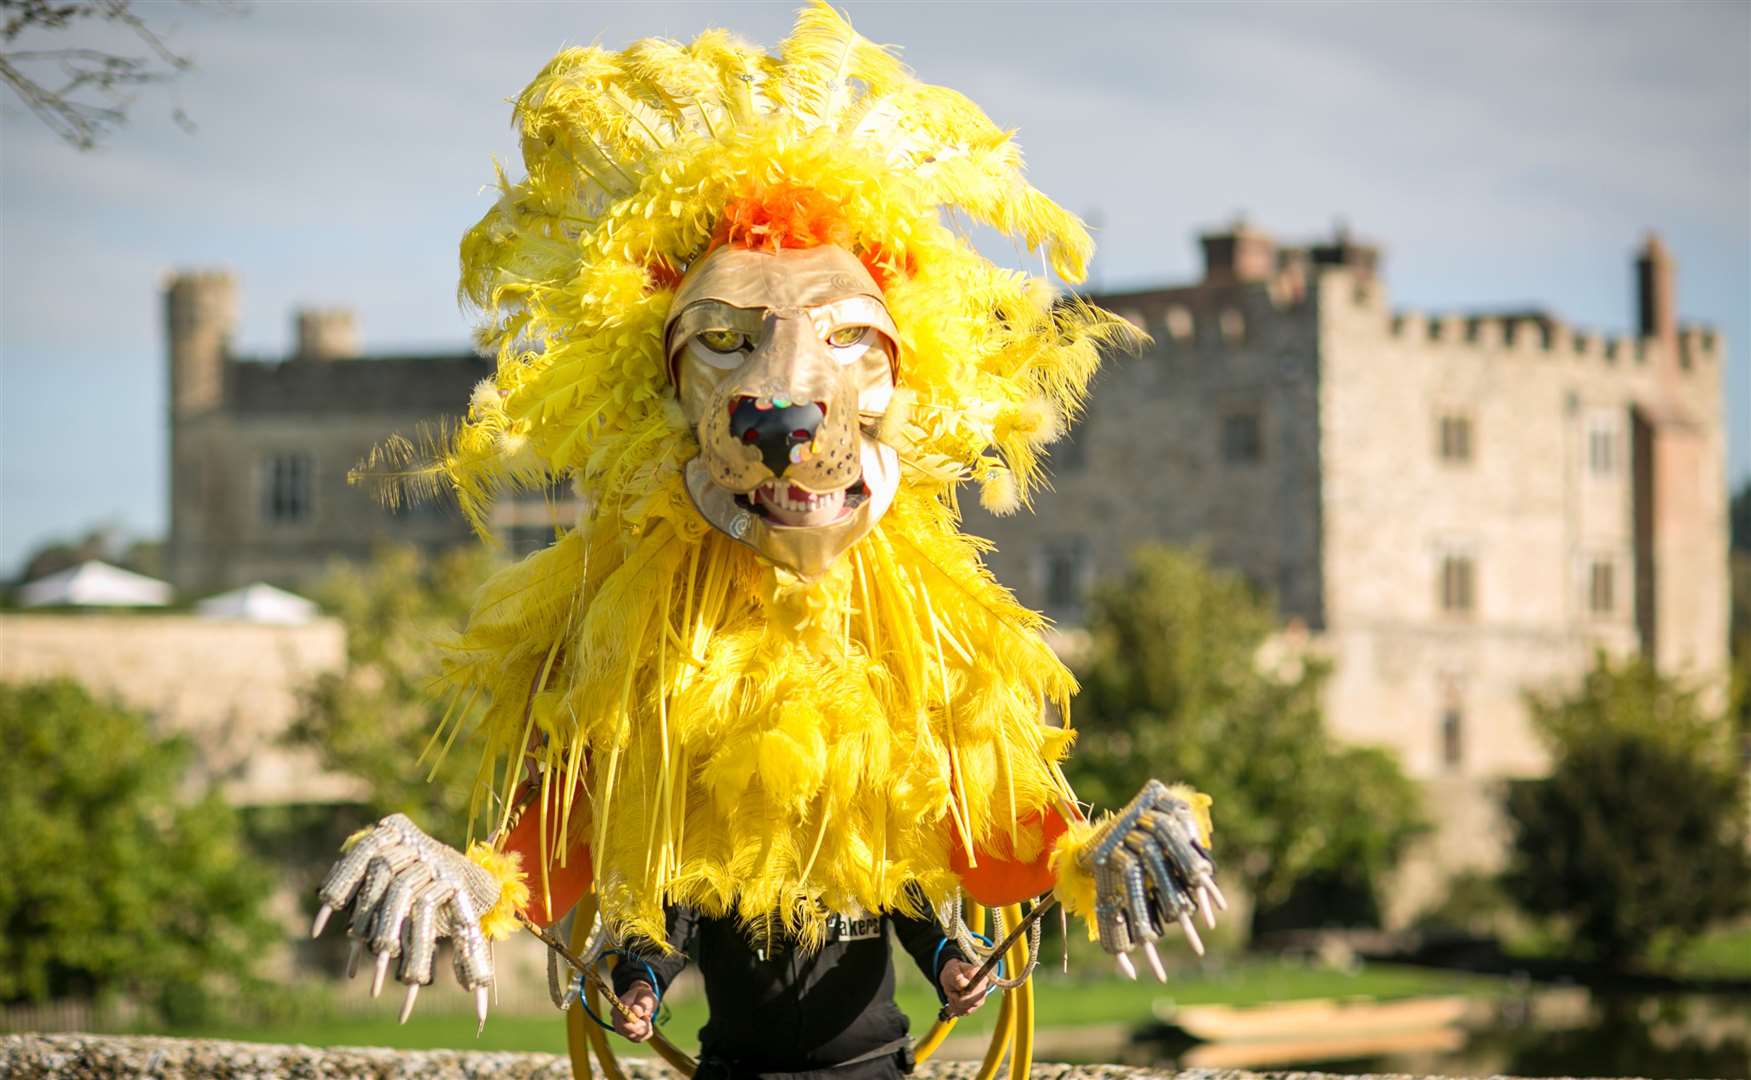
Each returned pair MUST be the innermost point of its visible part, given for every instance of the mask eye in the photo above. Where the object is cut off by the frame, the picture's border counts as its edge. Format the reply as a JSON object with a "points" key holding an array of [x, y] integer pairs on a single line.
{"points": [[847, 336], [723, 341]]}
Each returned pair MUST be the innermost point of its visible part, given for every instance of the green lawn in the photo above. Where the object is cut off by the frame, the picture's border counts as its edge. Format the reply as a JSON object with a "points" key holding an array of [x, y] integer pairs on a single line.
{"points": [[1060, 1002], [1719, 954], [1723, 954]]}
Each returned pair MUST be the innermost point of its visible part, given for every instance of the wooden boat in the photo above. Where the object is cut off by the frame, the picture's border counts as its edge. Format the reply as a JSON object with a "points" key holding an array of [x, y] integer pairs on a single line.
{"points": [[1316, 1018], [1296, 1051]]}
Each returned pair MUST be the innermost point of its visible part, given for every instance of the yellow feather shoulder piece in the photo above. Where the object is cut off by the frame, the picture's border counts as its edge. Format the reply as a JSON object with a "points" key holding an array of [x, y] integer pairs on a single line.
{"points": [[506, 868]]}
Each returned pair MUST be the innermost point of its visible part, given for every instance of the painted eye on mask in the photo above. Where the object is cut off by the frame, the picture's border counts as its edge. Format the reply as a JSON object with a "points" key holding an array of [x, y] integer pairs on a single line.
{"points": [[724, 341], [724, 349], [850, 342]]}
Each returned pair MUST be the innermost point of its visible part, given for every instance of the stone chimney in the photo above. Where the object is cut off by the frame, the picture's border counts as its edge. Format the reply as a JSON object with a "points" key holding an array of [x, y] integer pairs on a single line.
{"points": [[1656, 292], [326, 334], [1240, 254], [1345, 250]]}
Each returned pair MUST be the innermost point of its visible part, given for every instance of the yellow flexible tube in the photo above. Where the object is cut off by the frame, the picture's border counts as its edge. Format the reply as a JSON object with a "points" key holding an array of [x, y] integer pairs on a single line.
{"points": [[932, 1040], [1021, 1057], [1000, 1038], [581, 1033]]}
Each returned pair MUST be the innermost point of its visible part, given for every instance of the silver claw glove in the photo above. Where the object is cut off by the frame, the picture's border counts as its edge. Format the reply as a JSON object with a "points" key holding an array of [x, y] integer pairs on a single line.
{"points": [[407, 891], [1150, 872]]}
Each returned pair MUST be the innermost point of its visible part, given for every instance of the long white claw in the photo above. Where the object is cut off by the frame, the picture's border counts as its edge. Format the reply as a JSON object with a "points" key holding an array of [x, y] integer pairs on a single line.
{"points": [[1127, 967], [1154, 961], [479, 1010], [382, 970], [322, 914], [353, 953], [1221, 901], [1204, 908], [413, 991], [1197, 943]]}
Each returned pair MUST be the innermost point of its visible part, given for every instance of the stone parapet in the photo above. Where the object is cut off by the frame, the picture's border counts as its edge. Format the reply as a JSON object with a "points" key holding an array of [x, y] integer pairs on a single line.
{"points": [[114, 1057]]}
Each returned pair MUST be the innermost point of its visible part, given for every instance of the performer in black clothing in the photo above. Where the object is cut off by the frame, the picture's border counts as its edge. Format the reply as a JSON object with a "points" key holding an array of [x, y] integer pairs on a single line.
{"points": [[794, 1013]]}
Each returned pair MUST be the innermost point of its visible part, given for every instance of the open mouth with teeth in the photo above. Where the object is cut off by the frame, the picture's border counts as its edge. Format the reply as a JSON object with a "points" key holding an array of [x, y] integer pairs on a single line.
{"points": [[784, 503]]}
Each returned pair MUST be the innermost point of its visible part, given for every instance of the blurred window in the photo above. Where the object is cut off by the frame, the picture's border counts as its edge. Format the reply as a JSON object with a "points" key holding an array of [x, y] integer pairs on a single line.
{"points": [[1602, 443], [1452, 737], [1179, 322], [287, 488], [1458, 584], [1065, 570], [1241, 442], [1455, 438], [1602, 587]]}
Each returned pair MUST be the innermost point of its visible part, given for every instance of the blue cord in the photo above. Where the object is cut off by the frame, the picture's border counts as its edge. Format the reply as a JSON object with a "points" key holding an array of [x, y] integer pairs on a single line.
{"points": [[936, 964], [656, 988]]}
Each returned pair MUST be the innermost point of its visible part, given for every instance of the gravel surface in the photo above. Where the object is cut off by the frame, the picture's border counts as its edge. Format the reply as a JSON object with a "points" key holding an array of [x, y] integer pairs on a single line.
{"points": [[116, 1057]]}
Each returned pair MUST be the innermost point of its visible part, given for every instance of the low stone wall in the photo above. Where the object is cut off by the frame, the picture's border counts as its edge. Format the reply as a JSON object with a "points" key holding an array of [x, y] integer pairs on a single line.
{"points": [[113, 1057]]}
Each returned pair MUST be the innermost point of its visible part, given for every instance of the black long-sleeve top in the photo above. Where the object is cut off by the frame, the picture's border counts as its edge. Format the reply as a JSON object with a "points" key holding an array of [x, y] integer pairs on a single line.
{"points": [[786, 1011]]}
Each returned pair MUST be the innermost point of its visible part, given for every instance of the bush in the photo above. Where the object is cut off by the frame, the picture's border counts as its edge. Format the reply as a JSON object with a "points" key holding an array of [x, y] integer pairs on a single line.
{"points": [[111, 881], [374, 719], [1179, 686], [1636, 841]]}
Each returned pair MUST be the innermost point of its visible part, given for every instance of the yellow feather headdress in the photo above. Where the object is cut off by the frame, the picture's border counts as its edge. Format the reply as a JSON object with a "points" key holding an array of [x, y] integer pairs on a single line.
{"points": [[738, 738]]}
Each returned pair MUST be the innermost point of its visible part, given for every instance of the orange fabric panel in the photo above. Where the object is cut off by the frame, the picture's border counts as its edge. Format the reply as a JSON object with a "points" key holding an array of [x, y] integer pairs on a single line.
{"points": [[998, 881], [563, 884]]}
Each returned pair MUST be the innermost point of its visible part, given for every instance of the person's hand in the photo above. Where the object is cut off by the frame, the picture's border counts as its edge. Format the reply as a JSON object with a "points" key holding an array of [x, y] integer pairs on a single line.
{"points": [[958, 987], [641, 1001]]}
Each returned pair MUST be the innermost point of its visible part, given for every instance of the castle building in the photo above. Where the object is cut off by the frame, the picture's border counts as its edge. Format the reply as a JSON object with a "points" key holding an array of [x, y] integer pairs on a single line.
{"points": [[260, 449], [1458, 508]]}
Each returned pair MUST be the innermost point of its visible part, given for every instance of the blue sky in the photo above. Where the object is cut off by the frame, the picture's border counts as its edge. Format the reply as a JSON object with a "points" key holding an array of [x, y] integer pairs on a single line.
{"points": [[1504, 155]]}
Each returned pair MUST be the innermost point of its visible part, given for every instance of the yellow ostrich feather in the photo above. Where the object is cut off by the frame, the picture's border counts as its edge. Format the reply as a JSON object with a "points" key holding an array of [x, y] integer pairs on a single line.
{"points": [[745, 740]]}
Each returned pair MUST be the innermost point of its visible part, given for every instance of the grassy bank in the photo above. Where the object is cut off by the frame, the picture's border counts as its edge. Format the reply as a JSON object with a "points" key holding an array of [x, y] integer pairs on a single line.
{"points": [[1060, 1002]]}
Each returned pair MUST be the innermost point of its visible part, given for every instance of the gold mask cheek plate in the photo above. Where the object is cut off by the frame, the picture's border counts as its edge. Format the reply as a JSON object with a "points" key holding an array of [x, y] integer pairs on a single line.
{"points": [[706, 393]]}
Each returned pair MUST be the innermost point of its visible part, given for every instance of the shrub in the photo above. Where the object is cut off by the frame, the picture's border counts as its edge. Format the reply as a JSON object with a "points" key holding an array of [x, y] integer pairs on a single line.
{"points": [[1636, 841]]}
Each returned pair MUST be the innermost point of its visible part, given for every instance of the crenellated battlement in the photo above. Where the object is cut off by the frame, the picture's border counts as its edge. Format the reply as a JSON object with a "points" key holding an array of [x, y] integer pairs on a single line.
{"points": [[1538, 334]]}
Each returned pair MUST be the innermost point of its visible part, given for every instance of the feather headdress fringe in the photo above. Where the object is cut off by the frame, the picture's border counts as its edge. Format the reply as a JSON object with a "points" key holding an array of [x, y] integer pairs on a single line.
{"points": [[723, 733]]}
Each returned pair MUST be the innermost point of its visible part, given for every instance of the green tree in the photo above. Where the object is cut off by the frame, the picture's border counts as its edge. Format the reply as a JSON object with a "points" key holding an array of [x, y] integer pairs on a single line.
{"points": [[1637, 839], [112, 882], [1180, 684], [1739, 574], [373, 719]]}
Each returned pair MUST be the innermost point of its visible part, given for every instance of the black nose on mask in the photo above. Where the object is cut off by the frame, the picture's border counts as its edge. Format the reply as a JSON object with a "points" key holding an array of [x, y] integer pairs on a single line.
{"points": [[775, 425]]}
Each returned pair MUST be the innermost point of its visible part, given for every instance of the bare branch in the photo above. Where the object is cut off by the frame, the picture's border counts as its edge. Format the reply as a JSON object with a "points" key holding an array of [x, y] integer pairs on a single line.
{"points": [[105, 78]]}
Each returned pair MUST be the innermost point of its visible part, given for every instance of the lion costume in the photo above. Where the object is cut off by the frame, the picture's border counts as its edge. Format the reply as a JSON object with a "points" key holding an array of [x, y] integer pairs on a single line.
{"points": [[765, 674]]}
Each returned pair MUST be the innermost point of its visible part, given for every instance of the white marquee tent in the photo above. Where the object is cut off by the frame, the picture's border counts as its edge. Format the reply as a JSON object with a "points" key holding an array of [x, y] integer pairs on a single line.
{"points": [[95, 584], [258, 603]]}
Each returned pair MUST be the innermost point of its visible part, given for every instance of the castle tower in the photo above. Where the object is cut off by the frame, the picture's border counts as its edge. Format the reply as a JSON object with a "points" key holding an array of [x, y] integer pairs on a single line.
{"points": [[200, 313], [326, 334]]}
